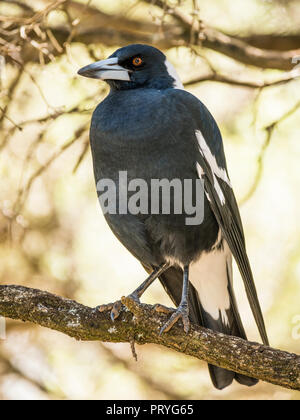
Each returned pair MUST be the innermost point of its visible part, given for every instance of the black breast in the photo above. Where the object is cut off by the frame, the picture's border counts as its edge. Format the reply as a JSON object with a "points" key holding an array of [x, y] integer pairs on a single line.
{"points": [[139, 133]]}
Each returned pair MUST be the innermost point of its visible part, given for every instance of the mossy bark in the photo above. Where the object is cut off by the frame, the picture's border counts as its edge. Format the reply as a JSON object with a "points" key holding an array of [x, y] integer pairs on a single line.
{"points": [[142, 324]]}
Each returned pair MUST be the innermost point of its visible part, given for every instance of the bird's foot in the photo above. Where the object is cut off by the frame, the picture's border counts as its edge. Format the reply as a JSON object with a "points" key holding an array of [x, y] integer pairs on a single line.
{"points": [[134, 296], [181, 312], [116, 308], [163, 309]]}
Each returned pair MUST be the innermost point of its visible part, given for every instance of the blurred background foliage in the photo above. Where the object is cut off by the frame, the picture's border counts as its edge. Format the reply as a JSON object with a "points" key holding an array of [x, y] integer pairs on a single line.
{"points": [[52, 233]]}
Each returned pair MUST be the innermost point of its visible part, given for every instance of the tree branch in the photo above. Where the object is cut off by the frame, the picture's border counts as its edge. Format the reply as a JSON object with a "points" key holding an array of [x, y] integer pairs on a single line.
{"points": [[273, 41], [216, 77], [229, 45], [90, 25], [247, 54], [269, 130], [142, 323]]}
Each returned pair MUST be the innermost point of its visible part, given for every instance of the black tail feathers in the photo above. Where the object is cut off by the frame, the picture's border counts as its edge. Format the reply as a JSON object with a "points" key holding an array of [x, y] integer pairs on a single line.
{"points": [[221, 378]]}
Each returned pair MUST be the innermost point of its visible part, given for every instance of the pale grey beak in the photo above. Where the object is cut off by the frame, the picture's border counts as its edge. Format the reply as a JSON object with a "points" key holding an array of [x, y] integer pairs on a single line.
{"points": [[105, 70]]}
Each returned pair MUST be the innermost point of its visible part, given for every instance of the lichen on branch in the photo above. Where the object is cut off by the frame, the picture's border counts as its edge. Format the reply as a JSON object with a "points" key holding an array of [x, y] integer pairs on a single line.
{"points": [[141, 323]]}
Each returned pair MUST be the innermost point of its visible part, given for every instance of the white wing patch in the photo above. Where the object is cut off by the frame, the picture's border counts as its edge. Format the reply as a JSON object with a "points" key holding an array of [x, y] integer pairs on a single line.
{"points": [[216, 170], [209, 277], [173, 73], [200, 172]]}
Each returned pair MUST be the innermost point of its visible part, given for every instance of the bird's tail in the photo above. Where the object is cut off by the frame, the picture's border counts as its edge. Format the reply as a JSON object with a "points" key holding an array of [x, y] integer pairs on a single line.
{"points": [[211, 314], [227, 323]]}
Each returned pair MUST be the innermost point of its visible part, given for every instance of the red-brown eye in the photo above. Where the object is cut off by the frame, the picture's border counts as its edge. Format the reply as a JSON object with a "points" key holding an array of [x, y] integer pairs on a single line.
{"points": [[137, 61]]}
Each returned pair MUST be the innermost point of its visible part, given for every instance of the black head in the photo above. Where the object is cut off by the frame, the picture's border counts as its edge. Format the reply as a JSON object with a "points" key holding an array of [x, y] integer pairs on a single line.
{"points": [[135, 66]]}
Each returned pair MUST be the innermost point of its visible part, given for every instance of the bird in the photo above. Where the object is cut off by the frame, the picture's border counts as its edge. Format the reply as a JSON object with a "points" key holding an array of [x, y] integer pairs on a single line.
{"points": [[150, 128]]}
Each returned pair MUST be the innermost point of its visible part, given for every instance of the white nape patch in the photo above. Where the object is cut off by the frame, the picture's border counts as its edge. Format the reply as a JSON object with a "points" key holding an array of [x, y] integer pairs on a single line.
{"points": [[209, 277], [216, 170], [173, 73]]}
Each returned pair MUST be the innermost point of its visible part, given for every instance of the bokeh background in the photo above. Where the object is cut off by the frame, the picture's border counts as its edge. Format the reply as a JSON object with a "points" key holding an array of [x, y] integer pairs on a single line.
{"points": [[52, 233]]}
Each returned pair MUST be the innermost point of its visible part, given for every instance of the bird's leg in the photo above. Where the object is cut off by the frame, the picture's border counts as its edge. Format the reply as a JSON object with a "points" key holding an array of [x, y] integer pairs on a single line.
{"points": [[182, 310], [115, 308], [144, 286]]}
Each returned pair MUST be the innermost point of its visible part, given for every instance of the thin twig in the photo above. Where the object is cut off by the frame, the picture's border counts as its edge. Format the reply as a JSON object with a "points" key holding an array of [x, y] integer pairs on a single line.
{"points": [[269, 130], [23, 193], [216, 77]]}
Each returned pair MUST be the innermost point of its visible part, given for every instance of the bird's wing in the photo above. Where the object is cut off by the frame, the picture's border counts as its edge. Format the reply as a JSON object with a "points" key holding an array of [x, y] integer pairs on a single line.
{"points": [[227, 215], [131, 232], [211, 167]]}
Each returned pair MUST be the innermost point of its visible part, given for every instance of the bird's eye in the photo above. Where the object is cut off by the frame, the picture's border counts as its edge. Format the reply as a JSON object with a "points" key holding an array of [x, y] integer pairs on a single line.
{"points": [[137, 61]]}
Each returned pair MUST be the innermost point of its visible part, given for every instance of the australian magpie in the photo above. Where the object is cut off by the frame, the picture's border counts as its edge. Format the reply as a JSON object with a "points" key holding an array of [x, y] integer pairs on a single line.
{"points": [[150, 128]]}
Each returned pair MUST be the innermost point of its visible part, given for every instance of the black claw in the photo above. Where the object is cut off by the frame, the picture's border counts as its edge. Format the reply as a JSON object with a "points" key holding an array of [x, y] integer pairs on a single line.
{"points": [[116, 309]]}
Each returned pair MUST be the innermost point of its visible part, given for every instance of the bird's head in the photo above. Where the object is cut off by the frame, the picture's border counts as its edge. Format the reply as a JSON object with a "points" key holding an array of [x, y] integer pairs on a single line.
{"points": [[135, 66]]}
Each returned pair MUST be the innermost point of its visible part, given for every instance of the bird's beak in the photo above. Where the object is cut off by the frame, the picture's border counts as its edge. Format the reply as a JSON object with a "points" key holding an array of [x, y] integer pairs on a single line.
{"points": [[105, 70]]}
